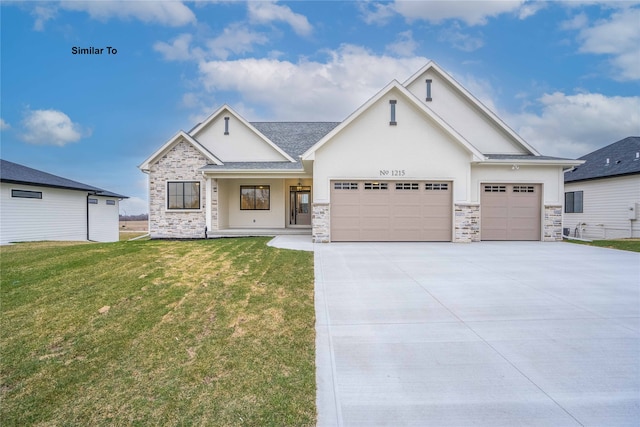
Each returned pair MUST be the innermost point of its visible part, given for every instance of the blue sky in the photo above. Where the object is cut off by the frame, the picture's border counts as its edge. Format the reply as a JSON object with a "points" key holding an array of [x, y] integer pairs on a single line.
{"points": [[565, 75]]}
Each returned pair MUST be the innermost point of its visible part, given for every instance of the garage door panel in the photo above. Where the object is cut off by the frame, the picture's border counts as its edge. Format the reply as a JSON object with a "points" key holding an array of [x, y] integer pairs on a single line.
{"points": [[510, 211], [391, 211]]}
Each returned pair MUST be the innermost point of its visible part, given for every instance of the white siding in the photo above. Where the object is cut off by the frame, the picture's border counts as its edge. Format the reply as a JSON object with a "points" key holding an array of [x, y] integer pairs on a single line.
{"points": [[59, 215], [464, 117], [606, 208], [104, 220]]}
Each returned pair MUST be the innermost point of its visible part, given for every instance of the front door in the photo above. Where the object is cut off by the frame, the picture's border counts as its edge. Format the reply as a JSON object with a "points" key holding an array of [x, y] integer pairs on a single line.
{"points": [[300, 206]]}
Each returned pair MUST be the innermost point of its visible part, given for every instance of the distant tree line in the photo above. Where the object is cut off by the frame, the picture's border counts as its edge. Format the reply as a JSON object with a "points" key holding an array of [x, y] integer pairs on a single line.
{"points": [[139, 217]]}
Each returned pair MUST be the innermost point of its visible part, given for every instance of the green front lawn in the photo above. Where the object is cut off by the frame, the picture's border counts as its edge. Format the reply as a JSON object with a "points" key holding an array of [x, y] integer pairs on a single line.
{"points": [[217, 332], [622, 244]]}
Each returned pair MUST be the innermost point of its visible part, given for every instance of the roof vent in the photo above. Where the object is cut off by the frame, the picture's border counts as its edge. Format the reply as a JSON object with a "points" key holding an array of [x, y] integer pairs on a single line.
{"points": [[393, 103], [226, 127], [428, 98]]}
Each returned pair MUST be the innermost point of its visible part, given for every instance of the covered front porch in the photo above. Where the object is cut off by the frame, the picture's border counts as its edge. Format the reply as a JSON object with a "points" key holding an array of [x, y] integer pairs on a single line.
{"points": [[258, 232], [259, 205]]}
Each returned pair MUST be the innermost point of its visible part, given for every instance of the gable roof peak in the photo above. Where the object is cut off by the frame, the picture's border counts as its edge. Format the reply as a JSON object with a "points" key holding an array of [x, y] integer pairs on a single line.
{"points": [[432, 65], [225, 107], [394, 84]]}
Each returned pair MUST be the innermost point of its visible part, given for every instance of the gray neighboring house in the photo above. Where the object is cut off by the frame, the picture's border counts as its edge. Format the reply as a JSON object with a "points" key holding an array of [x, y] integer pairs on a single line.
{"points": [[36, 205], [602, 196]]}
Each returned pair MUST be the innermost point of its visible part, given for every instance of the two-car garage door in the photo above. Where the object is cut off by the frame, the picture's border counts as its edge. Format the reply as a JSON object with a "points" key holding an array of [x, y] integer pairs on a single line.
{"points": [[391, 211]]}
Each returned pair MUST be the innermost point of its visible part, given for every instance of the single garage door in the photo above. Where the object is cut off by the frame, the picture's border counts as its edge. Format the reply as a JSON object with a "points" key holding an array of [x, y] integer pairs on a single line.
{"points": [[379, 211], [510, 212]]}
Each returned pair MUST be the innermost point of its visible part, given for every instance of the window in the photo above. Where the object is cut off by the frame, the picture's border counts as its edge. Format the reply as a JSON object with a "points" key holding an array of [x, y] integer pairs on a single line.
{"points": [[393, 103], [376, 186], [428, 90], [111, 202], [92, 201], [255, 197], [407, 186], [573, 202], [436, 186], [523, 189], [345, 185], [25, 194], [495, 188], [183, 195]]}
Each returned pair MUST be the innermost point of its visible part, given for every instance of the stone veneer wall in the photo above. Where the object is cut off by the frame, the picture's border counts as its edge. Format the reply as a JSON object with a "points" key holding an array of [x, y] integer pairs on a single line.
{"points": [[180, 163], [552, 223], [467, 223], [321, 223]]}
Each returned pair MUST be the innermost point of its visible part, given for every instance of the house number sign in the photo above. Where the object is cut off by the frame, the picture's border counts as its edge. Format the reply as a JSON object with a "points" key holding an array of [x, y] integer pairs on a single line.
{"points": [[392, 172]]}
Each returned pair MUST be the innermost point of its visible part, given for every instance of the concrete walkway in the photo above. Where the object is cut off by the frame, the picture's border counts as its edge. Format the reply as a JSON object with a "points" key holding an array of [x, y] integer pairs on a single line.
{"points": [[490, 334]]}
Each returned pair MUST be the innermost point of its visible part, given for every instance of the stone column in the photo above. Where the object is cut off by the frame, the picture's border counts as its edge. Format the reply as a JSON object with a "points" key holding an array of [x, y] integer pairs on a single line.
{"points": [[467, 223], [552, 223], [321, 223]]}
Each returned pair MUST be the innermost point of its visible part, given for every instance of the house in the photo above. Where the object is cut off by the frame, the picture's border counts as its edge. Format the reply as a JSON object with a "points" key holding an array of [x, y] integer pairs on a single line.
{"points": [[420, 161], [602, 196], [36, 205]]}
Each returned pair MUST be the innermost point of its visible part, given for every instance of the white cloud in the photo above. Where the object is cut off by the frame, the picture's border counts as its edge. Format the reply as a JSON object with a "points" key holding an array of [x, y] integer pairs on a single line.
{"points": [[576, 23], [4, 125], [470, 11], [265, 12], [308, 90], [574, 125], [43, 13], [376, 13], [50, 127], [236, 39], [460, 40], [530, 8], [618, 36], [405, 45], [170, 13], [177, 50]]}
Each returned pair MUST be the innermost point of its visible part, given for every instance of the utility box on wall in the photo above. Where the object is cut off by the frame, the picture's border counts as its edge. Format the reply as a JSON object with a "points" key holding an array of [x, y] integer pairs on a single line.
{"points": [[633, 211]]}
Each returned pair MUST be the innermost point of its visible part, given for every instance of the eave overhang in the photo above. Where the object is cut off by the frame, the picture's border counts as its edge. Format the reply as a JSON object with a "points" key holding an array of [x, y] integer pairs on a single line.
{"points": [[533, 161]]}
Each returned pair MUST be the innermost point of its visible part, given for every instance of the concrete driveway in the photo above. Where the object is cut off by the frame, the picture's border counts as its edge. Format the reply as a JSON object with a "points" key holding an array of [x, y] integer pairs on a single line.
{"points": [[491, 333]]}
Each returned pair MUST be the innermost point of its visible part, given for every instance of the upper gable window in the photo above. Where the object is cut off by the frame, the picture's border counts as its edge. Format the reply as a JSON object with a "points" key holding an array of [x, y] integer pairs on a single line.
{"points": [[392, 104], [183, 195], [428, 81], [226, 125]]}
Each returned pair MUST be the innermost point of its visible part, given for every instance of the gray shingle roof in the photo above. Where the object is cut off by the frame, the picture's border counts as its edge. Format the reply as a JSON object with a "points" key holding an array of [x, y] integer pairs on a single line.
{"points": [[19, 174], [294, 137], [622, 161], [255, 165], [522, 157]]}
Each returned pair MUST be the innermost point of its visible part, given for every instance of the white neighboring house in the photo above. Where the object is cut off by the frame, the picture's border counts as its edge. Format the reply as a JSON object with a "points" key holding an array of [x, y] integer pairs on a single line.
{"points": [[602, 196], [420, 161], [36, 205]]}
